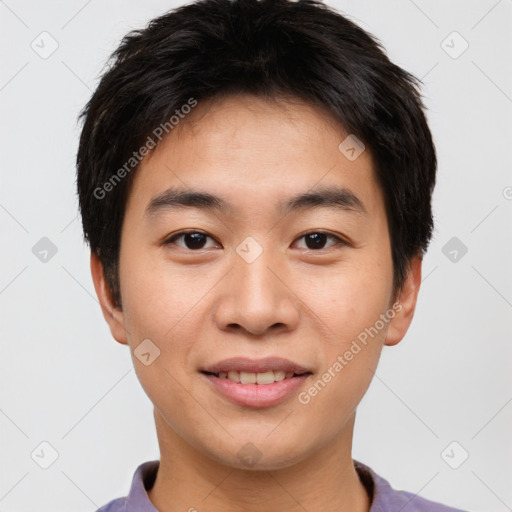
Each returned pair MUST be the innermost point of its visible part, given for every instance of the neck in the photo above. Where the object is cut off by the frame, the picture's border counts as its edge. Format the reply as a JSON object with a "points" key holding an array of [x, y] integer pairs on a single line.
{"points": [[189, 480]]}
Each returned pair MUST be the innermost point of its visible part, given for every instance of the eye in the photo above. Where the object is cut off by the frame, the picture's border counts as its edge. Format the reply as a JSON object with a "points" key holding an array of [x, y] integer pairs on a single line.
{"points": [[197, 240], [316, 240], [192, 240]]}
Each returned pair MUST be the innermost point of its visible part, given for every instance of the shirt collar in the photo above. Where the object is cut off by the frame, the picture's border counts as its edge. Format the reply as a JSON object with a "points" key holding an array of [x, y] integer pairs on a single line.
{"points": [[143, 479]]}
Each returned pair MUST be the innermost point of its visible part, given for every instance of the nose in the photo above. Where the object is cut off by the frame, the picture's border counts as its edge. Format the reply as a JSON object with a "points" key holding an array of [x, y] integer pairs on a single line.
{"points": [[256, 298]]}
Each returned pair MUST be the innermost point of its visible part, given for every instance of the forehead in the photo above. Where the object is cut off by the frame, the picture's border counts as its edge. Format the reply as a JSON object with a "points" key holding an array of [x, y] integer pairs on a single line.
{"points": [[251, 152]]}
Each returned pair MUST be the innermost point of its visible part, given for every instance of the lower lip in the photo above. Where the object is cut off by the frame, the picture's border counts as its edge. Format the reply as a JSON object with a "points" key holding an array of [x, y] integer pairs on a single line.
{"points": [[257, 395]]}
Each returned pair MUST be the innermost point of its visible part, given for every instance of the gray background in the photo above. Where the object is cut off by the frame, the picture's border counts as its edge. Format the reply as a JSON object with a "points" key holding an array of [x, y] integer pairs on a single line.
{"points": [[66, 382]]}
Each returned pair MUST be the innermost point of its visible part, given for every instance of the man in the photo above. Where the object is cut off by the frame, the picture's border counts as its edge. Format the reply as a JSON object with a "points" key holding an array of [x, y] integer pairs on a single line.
{"points": [[255, 182]]}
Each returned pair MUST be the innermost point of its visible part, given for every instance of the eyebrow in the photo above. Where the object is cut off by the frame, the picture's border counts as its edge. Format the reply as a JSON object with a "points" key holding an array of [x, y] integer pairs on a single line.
{"points": [[324, 197]]}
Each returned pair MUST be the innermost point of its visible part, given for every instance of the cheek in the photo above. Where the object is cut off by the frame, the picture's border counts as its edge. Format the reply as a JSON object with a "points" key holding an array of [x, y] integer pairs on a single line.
{"points": [[348, 362], [350, 306], [159, 306], [347, 300], [157, 299], [166, 305]]}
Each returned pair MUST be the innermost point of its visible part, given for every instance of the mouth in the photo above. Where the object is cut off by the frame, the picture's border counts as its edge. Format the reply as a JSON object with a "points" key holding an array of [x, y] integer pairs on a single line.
{"points": [[256, 383], [260, 378]]}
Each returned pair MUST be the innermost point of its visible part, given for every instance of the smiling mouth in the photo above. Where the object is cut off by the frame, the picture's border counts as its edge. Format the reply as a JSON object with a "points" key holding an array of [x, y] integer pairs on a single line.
{"points": [[262, 378]]}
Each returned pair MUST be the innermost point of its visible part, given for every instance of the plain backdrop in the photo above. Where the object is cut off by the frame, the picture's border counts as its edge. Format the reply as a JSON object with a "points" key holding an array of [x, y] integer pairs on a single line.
{"points": [[442, 394]]}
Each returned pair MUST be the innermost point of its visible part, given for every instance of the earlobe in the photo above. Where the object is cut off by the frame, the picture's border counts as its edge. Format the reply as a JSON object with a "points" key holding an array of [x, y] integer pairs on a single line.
{"points": [[113, 315], [406, 304]]}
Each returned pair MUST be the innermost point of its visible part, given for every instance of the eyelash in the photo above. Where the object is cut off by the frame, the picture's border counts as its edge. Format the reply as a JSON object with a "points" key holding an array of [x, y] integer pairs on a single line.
{"points": [[170, 240]]}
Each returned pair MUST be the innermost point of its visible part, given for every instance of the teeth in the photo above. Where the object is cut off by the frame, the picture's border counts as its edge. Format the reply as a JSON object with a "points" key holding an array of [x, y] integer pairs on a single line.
{"points": [[279, 375], [234, 376], [260, 378], [248, 378], [264, 378]]}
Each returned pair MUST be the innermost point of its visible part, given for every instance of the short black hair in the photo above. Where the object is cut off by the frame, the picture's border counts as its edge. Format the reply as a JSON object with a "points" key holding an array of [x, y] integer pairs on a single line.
{"points": [[269, 48]]}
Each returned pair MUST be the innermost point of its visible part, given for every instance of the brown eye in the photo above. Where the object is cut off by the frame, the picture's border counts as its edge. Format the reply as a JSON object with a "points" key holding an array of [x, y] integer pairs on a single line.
{"points": [[317, 240], [192, 240]]}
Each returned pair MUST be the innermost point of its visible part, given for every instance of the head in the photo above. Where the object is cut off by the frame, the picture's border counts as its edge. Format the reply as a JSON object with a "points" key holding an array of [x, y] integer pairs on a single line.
{"points": [[298, 161]]}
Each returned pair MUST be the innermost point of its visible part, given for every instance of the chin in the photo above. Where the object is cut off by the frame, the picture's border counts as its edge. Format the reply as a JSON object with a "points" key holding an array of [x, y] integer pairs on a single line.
{"points": [[260, 454]]}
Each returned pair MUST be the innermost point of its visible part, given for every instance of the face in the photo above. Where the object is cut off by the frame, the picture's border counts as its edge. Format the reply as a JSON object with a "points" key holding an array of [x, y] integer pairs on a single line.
{"points": [[280, 272]]}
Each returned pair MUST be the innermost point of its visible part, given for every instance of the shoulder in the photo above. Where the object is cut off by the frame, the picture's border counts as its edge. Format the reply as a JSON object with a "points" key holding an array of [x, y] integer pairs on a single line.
{"points": [[137, 499], [385, 498], [413, 503], [117, 505]]}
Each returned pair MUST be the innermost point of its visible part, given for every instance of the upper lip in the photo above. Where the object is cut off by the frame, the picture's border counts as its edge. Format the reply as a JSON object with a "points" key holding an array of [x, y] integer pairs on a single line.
{"points": [[244, 364]]}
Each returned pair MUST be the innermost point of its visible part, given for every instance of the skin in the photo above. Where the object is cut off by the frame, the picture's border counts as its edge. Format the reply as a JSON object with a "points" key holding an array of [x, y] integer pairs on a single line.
{"points": [[200, 306]]}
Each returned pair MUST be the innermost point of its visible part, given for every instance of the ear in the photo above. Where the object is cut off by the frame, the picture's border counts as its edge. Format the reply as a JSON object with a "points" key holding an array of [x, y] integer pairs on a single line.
{"points": [[112, 314], [406, 303]]}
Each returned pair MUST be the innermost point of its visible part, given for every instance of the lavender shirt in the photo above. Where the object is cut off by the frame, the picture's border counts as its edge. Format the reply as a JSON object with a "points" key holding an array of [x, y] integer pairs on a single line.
{"points": [[385, 499]]}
